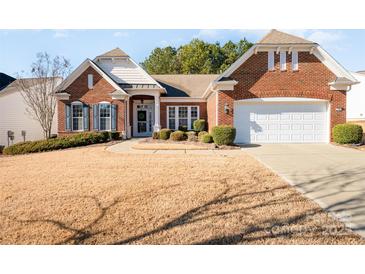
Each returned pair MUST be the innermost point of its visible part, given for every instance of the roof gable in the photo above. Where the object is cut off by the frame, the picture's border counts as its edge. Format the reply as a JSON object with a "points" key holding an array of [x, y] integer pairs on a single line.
{"points": [[117, 52], [277, 37]]}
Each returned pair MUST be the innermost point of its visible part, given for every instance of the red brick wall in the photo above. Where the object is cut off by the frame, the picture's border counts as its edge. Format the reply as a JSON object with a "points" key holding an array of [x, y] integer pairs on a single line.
{"points": [[163, 110], [79, 92], [255, 81], [211, 110]]}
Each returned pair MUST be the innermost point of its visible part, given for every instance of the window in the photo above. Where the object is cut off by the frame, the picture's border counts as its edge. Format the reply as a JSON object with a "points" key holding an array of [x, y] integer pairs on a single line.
{"points": [[294, 61], [172, 116], [104, 116], [182, 116], [77, 119], [90, 81], [282, 60], [271, 61]]}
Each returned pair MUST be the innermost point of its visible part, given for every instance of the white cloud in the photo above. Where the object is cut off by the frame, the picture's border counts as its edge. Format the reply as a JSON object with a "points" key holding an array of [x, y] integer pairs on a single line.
{"points": [[121, 34], [325, 37], [60, 34], [208, 34]]}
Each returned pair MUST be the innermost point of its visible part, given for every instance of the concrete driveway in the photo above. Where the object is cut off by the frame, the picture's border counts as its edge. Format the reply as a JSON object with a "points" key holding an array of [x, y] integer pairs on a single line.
{"points": [[332, 176]]}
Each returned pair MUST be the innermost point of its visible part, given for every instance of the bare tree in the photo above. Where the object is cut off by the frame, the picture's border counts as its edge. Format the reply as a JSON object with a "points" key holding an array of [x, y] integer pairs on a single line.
{"points": [[38, 91]]}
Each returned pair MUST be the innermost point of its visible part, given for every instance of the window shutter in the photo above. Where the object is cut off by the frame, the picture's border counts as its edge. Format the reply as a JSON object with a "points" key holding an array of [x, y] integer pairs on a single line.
{"points": [[68, 117], [113, 117], [96, 117], [282, 60], [85, 114], [294, 58], [270, 61]]}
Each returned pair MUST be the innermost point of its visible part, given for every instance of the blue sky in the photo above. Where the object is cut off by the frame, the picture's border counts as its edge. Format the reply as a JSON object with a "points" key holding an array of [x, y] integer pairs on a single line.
{"points": [[18, 48]]}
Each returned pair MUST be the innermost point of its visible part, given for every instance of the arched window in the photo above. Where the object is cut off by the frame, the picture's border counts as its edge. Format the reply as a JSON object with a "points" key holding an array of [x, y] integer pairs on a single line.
{"points": [[77, 116]]}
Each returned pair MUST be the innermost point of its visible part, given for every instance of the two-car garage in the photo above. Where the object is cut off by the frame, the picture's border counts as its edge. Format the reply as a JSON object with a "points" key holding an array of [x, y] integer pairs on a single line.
{"points": [[281, 120]]}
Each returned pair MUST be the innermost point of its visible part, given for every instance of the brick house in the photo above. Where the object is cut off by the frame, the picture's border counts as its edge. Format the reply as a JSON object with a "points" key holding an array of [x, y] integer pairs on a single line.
{"points": [[285, 89]]}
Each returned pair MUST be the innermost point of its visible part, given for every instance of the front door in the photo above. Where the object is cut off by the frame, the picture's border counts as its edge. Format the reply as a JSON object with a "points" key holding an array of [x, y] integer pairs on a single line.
{"points": [[143, 120]]}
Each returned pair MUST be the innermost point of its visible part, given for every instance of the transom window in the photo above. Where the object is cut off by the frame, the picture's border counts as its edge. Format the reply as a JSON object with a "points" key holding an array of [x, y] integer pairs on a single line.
{"points": [[104, 116], [77, 119], [182, 116]]}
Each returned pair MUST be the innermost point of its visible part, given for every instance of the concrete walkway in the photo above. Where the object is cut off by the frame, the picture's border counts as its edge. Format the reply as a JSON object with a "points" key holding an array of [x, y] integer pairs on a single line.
{"points": [[332, 176], [127, 147]]}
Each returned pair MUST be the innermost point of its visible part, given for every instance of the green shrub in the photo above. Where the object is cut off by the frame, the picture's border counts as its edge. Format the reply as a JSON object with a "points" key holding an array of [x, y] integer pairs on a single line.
{"points": [[155, 135], [201, 134], [178, 136], [347, 134], [1, 149], [199, 125], [191, 135], [114, 135], [207, 138], [81, 139], [223, 135], [183, 128], [165, 133]]}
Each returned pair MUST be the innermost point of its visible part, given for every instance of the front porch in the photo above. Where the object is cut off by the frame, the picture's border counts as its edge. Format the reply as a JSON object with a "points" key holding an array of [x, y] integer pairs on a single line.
{"points": [[143, 115]]}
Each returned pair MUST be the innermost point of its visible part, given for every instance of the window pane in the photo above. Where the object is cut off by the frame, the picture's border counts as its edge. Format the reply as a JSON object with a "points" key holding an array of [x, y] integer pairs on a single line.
{"points": [[171, 123], [183, 112], [194, 112], [172, 112], [104, 110], [104, 116], [77, 117]]}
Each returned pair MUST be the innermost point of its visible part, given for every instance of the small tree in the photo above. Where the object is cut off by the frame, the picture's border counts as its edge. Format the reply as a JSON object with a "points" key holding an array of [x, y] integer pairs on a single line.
{"points": [[38, 91]]}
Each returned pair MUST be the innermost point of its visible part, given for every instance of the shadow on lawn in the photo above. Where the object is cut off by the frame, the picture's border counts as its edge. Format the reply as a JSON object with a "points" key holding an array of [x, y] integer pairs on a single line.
{"points": [[220, 206]]}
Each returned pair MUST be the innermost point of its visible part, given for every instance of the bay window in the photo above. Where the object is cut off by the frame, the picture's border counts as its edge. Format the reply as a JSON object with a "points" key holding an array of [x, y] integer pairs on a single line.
{"points": [[182, 116]]}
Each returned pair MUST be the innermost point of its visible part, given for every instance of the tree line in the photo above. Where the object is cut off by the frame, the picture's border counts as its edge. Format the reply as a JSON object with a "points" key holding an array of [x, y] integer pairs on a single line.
{"points": [[196, 57]]}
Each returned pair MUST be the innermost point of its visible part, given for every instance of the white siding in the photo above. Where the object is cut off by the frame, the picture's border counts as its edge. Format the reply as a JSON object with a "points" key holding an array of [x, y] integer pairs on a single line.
{"points": [[125, 71], [13, 116], [355, 99]]}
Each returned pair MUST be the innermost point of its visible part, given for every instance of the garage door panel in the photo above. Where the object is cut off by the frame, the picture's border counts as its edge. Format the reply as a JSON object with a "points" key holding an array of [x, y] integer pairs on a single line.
{"points": [[281, 123]]}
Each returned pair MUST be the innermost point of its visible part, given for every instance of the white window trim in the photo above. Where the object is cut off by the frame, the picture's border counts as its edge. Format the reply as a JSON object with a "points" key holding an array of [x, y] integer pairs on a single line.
{"points": [[271, 60], [190, 126], [295, 60], [90, 81], [77, 103], [283, 60], [110, 111]]}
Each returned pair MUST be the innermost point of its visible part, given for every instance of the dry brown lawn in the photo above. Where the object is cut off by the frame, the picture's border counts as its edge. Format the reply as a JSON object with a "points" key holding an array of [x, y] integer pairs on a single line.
{"points": [[92, 196]]}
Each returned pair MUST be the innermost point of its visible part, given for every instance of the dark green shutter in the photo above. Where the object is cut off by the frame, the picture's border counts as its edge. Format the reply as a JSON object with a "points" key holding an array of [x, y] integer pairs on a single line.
{"points": [[68, 117], [114, 117], [96, 117], [85, 114]]}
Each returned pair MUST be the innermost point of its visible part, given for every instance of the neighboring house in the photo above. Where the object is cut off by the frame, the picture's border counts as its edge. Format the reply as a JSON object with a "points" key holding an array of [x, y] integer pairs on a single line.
{"points": [[14, 117], [356, 99], [285, 89]]}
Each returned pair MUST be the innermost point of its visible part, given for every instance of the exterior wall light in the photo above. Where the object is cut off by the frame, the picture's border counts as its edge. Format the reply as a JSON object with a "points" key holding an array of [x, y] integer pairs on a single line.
{"points": [[226, 108], [339, 109]]}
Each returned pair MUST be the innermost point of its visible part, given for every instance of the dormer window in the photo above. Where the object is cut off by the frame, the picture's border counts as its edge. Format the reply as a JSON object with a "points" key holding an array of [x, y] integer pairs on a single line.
{"points": [[294, 61], [283, 60], [90, 81], [271, 61]]}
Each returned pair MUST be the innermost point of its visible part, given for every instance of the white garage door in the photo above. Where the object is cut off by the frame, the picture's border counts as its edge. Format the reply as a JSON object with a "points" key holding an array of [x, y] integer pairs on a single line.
{"points": [[281, 122]]}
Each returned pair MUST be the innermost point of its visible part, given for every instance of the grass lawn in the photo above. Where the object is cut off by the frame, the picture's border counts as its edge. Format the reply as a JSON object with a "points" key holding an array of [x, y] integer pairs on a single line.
{"points": [[91, 196]]}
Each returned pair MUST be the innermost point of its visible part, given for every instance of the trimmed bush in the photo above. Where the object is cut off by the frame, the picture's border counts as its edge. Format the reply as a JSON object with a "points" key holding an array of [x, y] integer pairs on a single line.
{"points": [[347, 134], [81, 139], [223, 135], [114, 135], [155, 135], [183, 128], [165, 133], [207, 138], [1, 149], [191, 135], [178, 136], [201, 134], [199, 125]]}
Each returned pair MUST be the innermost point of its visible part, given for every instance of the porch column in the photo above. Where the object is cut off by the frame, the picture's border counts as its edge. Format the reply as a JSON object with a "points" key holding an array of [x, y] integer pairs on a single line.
{"points": [[157, 125], [128, 124]]}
